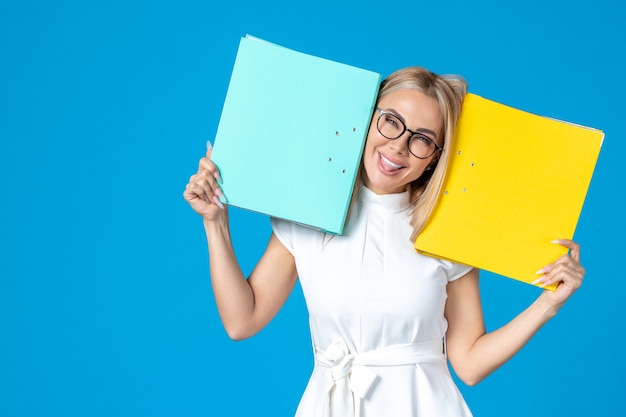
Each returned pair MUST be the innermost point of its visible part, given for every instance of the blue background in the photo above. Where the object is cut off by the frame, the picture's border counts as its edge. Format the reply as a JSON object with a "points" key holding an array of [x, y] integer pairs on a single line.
{"points": [[105, 108]]}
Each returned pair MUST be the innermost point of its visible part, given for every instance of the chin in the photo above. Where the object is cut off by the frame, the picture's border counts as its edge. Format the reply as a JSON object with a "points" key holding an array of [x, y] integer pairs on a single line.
{"points": [[384, 186]]}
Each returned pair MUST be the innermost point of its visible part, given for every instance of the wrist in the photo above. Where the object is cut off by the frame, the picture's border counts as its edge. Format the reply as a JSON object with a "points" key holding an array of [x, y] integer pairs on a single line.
{"points": [[544, 307], [217, 225]]}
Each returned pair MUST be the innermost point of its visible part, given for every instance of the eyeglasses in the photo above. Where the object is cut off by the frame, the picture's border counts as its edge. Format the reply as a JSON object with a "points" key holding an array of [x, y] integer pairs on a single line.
{"points": [[390, 126]]}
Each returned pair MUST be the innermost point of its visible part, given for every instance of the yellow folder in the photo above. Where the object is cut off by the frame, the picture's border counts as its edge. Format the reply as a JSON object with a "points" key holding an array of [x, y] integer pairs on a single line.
{"points": [[515, 182]]}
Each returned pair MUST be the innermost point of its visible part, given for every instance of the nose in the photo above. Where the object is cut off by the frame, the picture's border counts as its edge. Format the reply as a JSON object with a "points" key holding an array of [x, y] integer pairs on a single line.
{"points": [[401, 145]]}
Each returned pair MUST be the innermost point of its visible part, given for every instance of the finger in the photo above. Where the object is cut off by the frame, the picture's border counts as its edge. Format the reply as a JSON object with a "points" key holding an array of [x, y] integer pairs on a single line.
{"points": [[197, 188], [208, 165], [565, 270], [192, 196], [574, 248], [569, 281], [217, 201], [209, 184], [563, 242], [209, 152], [202, 183], [193, 190], [210, 180]]}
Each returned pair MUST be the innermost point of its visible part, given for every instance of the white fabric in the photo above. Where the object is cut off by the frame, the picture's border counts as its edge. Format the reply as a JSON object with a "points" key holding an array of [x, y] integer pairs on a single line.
{"points": [[352, 375], [376, 315]]}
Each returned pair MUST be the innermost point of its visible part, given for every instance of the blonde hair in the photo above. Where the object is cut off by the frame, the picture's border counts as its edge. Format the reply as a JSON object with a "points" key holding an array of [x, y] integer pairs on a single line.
{"points": [[449, 92]]}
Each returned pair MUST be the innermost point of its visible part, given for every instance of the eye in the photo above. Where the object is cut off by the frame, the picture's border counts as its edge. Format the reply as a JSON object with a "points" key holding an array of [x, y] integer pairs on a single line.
{"points": [[425, 140], [391, 120]]}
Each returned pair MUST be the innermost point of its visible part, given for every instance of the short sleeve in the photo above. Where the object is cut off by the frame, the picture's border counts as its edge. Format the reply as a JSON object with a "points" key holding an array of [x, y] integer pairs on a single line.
{"points": [[455, 271], [284, 231], [298, 239]]}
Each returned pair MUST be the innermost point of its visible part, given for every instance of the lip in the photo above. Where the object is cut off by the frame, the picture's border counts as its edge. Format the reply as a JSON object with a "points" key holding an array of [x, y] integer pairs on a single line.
{"points": [[384, 166]]}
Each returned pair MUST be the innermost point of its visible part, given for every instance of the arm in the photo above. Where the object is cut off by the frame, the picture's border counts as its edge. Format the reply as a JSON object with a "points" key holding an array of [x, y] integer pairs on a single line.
{"points": [[245, 305], [473, 352]]}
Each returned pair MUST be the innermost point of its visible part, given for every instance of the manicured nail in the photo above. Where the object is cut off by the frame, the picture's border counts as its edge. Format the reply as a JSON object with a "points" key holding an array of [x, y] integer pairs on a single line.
{"points": [[217, 177], [219, 192], [541, 271], [218, 202], [556, 241], [209, 146], [537, 281]]}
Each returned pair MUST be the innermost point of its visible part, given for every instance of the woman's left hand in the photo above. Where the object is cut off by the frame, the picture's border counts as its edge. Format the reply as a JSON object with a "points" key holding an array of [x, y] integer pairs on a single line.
{"points": [[566, 272]]}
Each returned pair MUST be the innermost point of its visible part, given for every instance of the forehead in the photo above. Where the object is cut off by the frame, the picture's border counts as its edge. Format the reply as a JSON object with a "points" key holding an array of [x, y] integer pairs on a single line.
{"points": [[416, 108]]}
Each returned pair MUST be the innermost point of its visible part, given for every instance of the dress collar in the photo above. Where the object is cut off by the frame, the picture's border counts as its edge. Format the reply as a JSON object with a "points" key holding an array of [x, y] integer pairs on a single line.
{"points": [[391, 203]]}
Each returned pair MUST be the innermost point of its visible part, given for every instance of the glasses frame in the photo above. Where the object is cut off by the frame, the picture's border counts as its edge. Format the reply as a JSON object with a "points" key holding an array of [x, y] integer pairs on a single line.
{"points": [[413, 134]]}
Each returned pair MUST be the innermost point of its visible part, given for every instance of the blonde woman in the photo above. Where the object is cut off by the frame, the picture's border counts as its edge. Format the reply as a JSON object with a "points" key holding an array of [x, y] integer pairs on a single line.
{"points": [[384, 319]]}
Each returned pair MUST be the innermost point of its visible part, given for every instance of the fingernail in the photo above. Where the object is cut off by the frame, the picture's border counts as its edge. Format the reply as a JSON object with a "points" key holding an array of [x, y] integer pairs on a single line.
{"points": [[537, 281], [219, 192], [217, 177], [209, 146], [541, 271], [556, 241], [218, 202]]}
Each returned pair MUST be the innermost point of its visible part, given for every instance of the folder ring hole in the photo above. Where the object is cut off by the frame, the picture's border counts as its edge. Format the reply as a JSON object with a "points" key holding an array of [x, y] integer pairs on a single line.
{"points": [[458, 152], [336, 133], [446, 192], [472, 164], [354, 129], [464, 190], [330, 159], [343, 171]]}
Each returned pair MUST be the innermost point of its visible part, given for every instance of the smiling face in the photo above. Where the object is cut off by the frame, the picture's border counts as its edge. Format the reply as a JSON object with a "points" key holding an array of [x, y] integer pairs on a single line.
{"points": [[388, 165]]}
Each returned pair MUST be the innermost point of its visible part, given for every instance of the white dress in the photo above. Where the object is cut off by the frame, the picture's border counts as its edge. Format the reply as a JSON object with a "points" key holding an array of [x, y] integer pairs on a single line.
{"points": [[376, 311]]}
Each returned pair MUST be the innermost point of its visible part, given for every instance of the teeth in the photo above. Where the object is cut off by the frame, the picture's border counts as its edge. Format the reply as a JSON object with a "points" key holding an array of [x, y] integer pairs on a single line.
{"points": [[388, 162]]}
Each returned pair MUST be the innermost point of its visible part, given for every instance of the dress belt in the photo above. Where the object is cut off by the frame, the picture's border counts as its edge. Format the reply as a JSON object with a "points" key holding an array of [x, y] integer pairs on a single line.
{"points": [[351, 376]]}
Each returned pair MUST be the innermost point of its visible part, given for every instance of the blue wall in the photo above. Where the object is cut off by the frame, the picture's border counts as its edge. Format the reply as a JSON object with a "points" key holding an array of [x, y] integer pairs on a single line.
{"points": [[105, 107]]}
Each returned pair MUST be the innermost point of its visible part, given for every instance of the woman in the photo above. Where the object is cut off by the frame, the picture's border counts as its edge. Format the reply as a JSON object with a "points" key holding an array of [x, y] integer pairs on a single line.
{"points": [[383, 318]]}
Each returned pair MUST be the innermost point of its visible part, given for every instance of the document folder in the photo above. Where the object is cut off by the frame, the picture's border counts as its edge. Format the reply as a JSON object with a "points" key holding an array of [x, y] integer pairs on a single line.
{"points": [[515, 182], [291, 134]]}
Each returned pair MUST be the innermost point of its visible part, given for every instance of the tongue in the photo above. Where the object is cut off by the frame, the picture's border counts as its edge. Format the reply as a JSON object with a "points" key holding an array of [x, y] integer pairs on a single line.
{"points": [[388, 166]]}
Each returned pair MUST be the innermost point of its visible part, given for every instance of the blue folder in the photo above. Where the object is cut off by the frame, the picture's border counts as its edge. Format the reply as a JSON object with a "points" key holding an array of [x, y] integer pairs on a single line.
{"points": [[291, 134]]}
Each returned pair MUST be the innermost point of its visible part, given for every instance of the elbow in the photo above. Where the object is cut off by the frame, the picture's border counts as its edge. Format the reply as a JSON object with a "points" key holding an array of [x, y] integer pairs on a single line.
{"points": [[471, 381], [470, 378], [236, 335], [239, 333], [241, 327], [470, 370]]}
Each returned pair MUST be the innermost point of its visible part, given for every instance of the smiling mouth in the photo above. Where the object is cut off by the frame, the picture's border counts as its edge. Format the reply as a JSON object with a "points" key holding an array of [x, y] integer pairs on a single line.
{"points": [[390, 166]]}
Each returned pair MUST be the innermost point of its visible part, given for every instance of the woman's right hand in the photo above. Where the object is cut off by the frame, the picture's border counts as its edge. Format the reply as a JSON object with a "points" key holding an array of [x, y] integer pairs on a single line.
{"points": [[203, 190]]}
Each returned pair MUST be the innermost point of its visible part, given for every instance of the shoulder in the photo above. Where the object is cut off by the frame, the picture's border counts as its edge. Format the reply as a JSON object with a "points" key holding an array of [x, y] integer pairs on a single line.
{"points": [[455, 270], [293, 235]]}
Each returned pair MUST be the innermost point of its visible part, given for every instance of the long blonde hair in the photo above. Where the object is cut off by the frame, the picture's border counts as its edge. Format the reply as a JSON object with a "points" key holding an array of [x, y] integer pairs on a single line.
{"points": [[449, 92]]}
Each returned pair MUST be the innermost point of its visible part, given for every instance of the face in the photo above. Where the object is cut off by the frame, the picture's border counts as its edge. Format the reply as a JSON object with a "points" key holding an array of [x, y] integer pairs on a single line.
{"points": [[389, 166]]}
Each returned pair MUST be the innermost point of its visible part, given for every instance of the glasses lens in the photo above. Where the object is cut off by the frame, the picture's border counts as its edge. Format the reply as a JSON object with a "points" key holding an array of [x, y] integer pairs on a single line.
{"points": [[390, 126], [421, 146]]}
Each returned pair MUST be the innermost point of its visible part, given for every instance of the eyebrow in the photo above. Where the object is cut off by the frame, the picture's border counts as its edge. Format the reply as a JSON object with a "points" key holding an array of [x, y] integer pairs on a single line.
{"points": [[419, 130]]}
